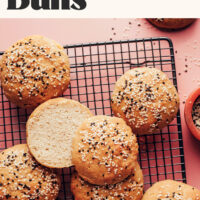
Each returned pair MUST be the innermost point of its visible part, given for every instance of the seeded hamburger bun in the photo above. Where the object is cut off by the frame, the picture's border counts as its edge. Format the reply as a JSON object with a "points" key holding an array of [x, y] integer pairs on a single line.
{"points": [[129, 189], [21, 177], [171, 23], [34, 70], [172, 190], [104, 150], [50, 129], [146, 99]]}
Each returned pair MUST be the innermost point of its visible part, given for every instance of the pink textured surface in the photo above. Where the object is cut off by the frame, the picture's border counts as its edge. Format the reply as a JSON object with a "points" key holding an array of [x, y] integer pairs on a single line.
{"points": [[71, 31]]}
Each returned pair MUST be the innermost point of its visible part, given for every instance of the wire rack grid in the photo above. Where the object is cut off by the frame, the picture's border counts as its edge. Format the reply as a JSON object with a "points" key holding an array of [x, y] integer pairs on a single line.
{"points": [[94, 70]]}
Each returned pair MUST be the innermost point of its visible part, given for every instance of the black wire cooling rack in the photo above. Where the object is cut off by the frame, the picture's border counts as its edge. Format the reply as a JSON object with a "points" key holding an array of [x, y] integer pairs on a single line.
{"points": [[94, 70]]}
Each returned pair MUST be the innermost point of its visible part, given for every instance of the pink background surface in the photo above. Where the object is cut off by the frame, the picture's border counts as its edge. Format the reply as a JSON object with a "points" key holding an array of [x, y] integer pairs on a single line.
{"points": [[71, 31]]}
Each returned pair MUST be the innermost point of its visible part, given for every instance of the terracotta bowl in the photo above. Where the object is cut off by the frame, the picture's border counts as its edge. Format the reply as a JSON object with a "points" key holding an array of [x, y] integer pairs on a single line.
{"points": [[188, 113]]}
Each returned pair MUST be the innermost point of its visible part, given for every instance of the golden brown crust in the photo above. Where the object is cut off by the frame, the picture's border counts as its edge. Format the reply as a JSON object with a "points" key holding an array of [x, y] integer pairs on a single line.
{"points": [[129, 189], [34, 70], [104, 150], [146, 99], [172, 190], [21, 177], [171, 23]]}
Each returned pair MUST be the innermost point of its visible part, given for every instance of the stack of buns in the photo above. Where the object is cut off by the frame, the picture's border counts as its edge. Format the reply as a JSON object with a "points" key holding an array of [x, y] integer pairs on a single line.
{"points": [[62, 132], [130, 188], [105, 157]]}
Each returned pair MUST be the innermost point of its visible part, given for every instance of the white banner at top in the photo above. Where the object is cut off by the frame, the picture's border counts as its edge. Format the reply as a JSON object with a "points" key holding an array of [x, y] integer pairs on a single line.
{"points": [[98, 8]]}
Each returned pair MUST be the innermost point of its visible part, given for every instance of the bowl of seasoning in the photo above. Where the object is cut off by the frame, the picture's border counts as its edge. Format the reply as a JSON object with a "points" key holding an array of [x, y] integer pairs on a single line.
{"points": [[192, 113]]}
